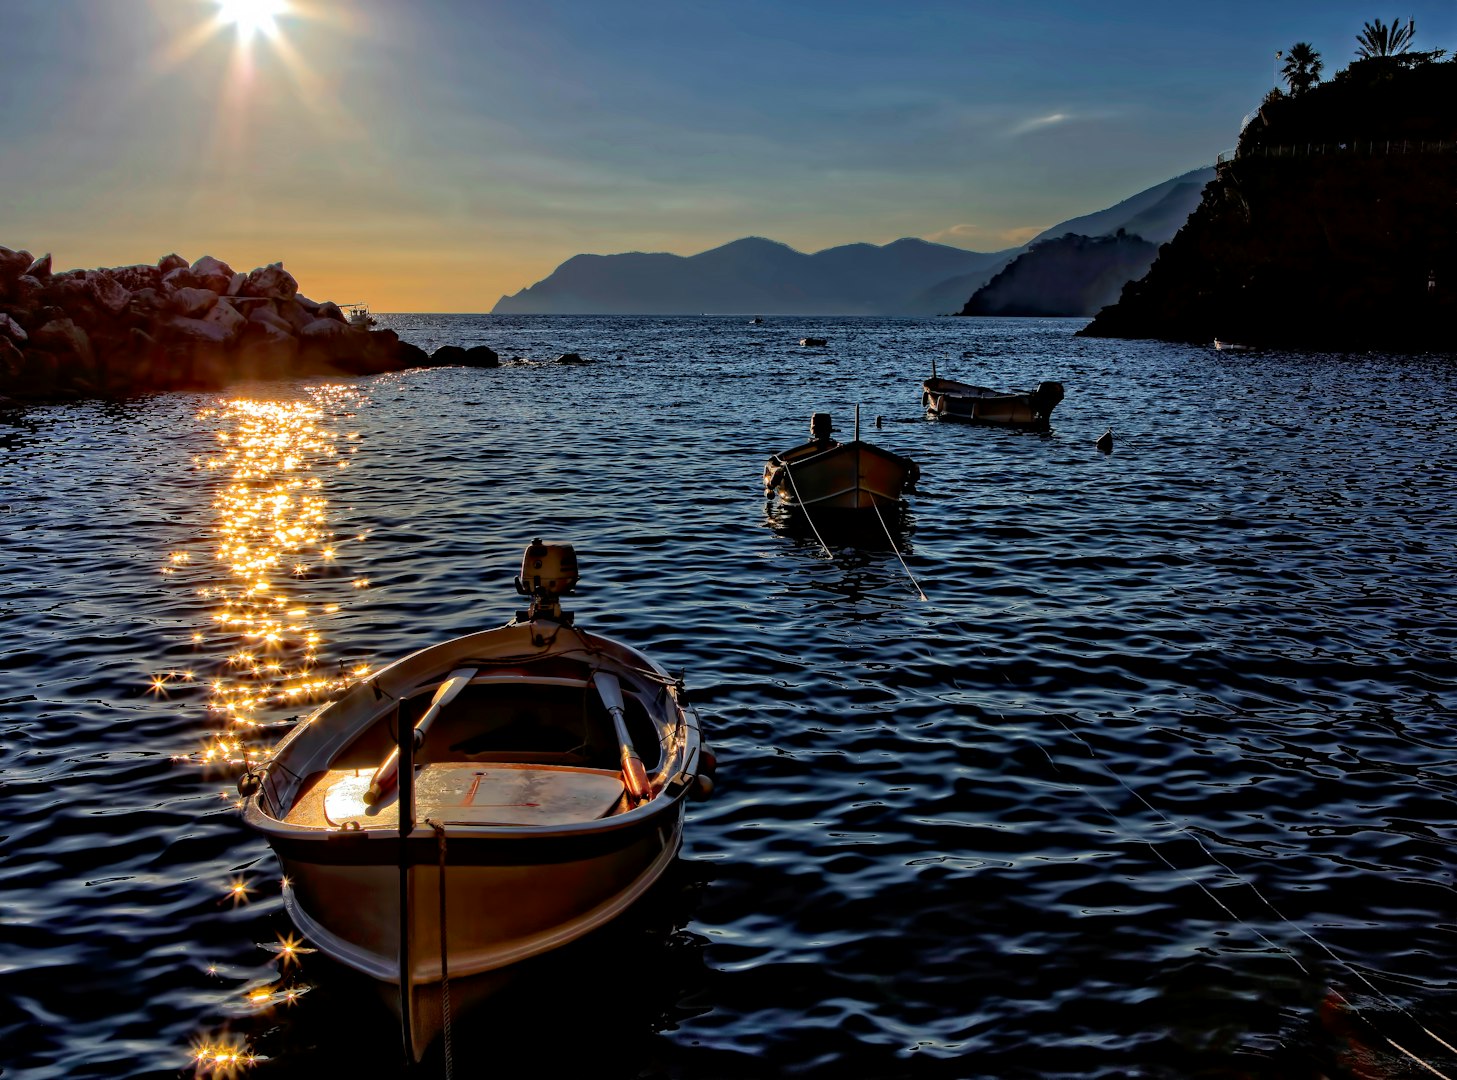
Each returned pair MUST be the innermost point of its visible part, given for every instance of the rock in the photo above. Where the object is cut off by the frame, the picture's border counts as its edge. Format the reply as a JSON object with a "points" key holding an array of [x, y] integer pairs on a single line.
{"points": [[186, 329], [193, 301], [235, 284], [10, 330], [40, 269], [12, 361], [323, 329], [136, 278], [271, 281], [481, 356], [167, 263], [267, 315], [63, 337], [181, 278], [448, 356], [14, 263], [212, 274], [228, 317], [330, 310], [107, 291], [571, 358]]}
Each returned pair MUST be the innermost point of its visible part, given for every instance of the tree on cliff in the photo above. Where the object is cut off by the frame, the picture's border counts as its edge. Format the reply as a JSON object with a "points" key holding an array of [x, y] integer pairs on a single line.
{"points": [[1302, 67], [1378, 39]]}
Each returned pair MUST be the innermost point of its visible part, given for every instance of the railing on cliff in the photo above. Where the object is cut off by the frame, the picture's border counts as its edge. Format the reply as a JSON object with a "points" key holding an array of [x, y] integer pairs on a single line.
{"points": [[1352, 148]]}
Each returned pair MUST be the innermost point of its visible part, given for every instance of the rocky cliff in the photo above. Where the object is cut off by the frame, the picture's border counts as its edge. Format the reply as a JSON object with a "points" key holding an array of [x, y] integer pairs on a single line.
{"points": [[1334, 225]]}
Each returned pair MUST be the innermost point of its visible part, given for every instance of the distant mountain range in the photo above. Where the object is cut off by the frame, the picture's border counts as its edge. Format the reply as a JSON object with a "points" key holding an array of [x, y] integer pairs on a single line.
{"points": [[764, 277]]}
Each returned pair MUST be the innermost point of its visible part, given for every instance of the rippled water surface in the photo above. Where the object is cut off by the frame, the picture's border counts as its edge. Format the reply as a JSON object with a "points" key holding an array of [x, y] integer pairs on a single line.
{"points": [[1157, 781]]}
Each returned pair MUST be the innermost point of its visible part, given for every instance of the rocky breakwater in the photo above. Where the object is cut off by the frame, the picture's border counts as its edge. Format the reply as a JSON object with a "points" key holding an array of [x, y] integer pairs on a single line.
{"points": [[175, 326]]}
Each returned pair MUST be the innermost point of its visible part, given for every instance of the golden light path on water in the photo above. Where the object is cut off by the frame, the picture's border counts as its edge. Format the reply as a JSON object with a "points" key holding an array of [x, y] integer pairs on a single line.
{"points": [[273, 580]]}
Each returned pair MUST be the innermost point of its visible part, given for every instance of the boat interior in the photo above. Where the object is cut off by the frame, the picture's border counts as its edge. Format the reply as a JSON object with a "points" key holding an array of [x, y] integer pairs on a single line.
{"points": [[543, 728]]}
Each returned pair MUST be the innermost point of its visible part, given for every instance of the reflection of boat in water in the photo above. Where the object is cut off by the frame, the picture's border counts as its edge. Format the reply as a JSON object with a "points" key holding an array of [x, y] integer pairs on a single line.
{"points": [[948, 399], [823, 474], [556, 764]]}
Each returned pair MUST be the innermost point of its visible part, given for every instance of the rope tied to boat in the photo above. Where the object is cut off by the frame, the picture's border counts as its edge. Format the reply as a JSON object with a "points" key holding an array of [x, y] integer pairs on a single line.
{"points": [[444, 963]]}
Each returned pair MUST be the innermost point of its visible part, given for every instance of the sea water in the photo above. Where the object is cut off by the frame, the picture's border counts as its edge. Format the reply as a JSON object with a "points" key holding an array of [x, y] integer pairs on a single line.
{"points": [[1156, 780]]}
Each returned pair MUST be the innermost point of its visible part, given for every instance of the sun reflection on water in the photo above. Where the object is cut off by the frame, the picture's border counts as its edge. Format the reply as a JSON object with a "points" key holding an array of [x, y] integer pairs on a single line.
{"points": [[273, 549], [273, 577]]}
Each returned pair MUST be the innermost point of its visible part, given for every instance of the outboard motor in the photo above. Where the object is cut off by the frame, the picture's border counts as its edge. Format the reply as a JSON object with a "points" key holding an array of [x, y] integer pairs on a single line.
{"points": [[548, 572], [1046, 397], [820, 427]]}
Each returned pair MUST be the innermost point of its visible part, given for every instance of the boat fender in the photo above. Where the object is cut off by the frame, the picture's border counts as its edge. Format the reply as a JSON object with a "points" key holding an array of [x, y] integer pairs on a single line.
{"points": [[774, 479], [913, 474], [707, 760], [702, 786], [249, 782]]}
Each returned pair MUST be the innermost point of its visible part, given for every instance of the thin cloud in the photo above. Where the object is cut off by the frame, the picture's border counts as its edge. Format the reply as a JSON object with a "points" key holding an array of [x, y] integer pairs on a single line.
{"points": [[1037, 123]]}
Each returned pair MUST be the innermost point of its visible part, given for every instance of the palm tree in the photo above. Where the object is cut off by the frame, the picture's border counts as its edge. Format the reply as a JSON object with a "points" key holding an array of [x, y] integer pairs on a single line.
{"points": [[1378, 39], [1302, 67]]}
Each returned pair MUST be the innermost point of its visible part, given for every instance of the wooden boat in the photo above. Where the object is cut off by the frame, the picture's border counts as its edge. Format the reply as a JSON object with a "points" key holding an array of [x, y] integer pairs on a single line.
{"points": [[951, 400], [480, 802], [823, 474]]}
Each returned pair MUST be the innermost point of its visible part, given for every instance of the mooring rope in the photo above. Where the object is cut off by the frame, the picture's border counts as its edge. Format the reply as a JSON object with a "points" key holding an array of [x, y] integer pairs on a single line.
{"points": [[444, 950], [799, 499], [1281, 950], [896, 548]]}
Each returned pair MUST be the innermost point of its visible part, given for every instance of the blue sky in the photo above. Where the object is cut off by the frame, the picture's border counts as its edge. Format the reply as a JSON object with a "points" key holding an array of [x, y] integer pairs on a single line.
{"points": [[435, 154]]}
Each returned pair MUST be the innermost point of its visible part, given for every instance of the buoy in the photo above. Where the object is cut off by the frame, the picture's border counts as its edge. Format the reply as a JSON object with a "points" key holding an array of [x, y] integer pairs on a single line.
{"points": [[1105, 441]]}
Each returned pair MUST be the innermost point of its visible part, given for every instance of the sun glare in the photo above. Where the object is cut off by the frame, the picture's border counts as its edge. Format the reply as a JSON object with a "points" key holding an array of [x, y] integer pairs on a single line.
{"points": [[252, 17]]}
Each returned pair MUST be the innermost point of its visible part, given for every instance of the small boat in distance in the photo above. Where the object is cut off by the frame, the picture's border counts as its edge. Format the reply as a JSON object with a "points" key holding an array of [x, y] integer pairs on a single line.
{"points": [[813, 342], [359, 317], [555, 762], [823, 474], [1229, 346], [1031, 410]]}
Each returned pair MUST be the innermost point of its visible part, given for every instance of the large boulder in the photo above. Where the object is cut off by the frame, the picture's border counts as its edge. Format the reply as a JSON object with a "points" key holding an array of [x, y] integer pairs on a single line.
{"points": [[481, 356], [268, 315], [271, 281], [40, 269], [193, 301], [182, 328], [212, 274], [108, 293], [226, 316], [167, 263], [448, 356], [14, 263], [63, 338], [10, 330]]}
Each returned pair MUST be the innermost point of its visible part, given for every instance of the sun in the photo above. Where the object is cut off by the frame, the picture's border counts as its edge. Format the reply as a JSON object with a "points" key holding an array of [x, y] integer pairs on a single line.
{"points": [[252, 17]]}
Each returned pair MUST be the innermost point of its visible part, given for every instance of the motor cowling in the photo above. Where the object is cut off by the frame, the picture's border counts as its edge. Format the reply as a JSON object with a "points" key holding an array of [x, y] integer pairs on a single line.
{"points": [[548, 570]]}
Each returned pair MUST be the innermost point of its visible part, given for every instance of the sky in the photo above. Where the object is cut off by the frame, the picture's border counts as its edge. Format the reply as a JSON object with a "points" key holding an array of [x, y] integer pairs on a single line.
{"points": [[434, 155]]}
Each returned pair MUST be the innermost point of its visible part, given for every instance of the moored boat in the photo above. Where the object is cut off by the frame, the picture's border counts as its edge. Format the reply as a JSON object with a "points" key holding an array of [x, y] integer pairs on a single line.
{"points": [[480, 802], [949, 399], [824, 474]]}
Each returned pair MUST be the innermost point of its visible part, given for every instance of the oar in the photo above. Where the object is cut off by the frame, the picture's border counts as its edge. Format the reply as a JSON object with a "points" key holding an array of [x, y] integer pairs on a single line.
{"points": [[634, 776], [389, 769]]}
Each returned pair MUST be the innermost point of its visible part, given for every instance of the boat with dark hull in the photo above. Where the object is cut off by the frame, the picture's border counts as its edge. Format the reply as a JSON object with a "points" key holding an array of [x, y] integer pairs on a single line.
{"points": [[824, 474], [948, 399], [480, 802]]}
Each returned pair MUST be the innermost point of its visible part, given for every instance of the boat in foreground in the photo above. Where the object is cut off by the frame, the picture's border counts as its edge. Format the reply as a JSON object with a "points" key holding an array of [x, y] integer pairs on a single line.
{"points": [[480, 802], [948, 399], [823, 474]]}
